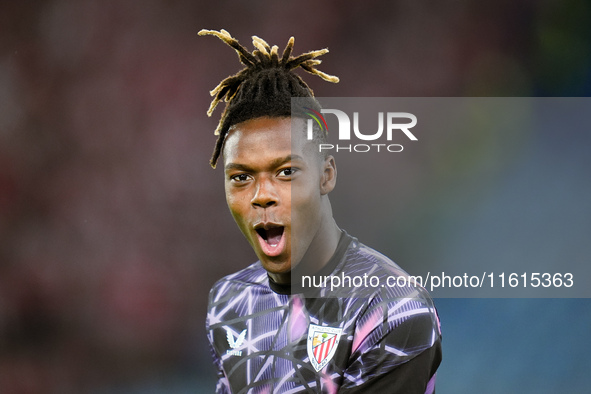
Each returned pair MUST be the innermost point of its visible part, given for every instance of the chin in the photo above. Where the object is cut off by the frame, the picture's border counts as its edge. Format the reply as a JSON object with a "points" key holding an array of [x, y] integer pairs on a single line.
{"points": [[275, 267]]}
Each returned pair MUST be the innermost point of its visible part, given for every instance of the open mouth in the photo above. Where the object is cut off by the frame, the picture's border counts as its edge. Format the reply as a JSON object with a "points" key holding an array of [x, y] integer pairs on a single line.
{"points": [[271, 236], [271, 239]]}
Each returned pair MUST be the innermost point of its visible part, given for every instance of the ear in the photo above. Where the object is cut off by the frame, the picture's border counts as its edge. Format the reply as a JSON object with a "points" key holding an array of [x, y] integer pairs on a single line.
{"points": [[328, 180]]}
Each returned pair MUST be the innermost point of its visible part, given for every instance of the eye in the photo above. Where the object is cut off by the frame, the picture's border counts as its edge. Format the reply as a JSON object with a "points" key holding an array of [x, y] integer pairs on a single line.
{"points": [[288, 172], [239, 178]]}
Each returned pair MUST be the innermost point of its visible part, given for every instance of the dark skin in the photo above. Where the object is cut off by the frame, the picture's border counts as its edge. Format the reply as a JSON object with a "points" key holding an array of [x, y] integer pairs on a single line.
{"points": [[277, 188]]}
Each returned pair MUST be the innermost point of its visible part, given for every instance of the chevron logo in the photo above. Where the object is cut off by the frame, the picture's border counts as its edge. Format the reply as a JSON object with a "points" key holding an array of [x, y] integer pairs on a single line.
{"points": [[235, 343]]}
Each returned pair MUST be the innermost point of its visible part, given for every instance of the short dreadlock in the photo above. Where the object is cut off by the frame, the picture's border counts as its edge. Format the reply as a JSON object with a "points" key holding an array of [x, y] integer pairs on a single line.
{"points": [[264, 87]]}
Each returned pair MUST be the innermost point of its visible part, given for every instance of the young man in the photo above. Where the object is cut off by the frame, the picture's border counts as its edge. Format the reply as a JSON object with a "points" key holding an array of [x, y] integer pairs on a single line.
{"points": [[270, 331]]}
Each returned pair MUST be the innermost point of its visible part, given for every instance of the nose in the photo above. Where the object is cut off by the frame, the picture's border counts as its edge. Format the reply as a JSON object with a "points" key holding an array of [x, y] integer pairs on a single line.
{"points": [[265, 194]]}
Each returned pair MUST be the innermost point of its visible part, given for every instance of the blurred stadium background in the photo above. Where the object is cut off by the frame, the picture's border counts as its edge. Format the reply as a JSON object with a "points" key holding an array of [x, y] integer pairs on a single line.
{"points": [[113, 226]]}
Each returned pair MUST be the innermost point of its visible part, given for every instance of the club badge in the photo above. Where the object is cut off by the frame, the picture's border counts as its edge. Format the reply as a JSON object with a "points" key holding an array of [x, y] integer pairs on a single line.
{"points": [[322, 344]]}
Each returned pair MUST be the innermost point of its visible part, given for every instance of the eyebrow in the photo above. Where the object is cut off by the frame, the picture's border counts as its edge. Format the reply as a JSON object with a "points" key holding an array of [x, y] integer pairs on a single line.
{"points": [[275, 163]]}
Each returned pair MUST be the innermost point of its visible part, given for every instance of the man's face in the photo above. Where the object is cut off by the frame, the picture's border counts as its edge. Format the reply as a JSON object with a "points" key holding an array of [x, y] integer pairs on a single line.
{"points": [[272, 182]]}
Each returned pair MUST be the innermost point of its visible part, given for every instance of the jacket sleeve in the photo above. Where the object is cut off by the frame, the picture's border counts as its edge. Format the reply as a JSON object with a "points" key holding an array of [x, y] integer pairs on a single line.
{"points": [[222, 385], [396, 348], [414, 376]]}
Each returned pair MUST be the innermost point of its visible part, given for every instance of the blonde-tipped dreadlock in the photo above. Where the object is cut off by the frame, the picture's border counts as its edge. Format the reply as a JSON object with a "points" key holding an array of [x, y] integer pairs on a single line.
{"points": [[264, 87]]}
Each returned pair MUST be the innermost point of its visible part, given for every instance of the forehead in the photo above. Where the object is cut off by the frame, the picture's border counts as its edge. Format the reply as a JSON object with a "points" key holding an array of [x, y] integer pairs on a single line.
{"points": [[261, 138]]}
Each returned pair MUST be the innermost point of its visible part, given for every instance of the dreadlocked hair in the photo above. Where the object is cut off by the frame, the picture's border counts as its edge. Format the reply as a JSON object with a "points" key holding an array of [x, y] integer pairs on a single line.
{"points": [[264, 87]]}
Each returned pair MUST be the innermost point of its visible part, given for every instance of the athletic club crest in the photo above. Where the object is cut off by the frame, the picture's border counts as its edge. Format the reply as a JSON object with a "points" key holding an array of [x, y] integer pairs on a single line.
{"points": [[322, 344]]}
